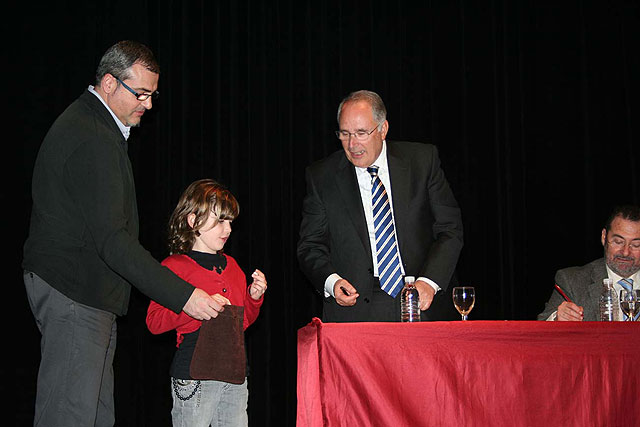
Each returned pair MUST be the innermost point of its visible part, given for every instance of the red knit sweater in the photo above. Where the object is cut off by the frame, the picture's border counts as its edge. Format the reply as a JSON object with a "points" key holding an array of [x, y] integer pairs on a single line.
{"points": [[231, 283]]}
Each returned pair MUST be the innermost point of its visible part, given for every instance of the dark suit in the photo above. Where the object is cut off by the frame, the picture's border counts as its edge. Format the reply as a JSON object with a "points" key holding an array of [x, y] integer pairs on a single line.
{"points": [[83, 239], [582, 285], [334, 236]]}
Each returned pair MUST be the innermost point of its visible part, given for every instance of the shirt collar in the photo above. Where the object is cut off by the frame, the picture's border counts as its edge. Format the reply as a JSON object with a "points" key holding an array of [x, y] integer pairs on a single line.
{"points": [[615, 278], [124, 129]]}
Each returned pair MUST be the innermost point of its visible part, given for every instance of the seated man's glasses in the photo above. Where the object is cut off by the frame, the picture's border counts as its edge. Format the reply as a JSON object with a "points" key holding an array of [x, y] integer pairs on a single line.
{"points": [[618, 243]]}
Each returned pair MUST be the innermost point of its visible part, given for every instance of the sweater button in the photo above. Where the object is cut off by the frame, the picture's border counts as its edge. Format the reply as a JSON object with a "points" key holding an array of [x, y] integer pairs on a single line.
{"points": [[224, 289]]}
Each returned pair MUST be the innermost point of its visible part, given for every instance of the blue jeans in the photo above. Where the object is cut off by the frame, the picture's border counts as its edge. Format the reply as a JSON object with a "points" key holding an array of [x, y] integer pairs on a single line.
{"points": [[75, 378], [209, 403]]}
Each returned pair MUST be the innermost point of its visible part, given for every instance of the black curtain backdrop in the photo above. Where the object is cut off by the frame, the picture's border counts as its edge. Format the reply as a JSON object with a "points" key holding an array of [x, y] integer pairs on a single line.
{"points": [[534, 107]]}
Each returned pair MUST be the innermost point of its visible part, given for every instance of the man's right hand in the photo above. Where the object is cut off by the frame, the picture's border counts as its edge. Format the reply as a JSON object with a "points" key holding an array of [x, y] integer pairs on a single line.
{"points": [[345, 293], [202, 306], [568, 311]]}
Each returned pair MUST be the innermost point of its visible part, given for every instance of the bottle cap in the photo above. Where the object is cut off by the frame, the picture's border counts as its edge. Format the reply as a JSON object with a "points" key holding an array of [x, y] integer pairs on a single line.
{"points": [[409, 279]]}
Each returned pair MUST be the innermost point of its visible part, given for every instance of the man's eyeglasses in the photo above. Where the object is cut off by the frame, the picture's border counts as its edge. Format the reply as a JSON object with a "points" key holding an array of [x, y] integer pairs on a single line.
{"points": [[360, 135], [139, 96], [621, 243]]}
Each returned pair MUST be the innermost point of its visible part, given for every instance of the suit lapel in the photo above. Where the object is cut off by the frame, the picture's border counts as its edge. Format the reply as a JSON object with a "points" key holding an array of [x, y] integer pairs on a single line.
{"points": [[347, 184], [400, 192]]}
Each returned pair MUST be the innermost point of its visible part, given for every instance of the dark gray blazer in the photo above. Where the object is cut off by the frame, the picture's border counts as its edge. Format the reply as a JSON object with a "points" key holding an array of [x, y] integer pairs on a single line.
{"points": [[583, 285], [333, 232], [83, 237]]}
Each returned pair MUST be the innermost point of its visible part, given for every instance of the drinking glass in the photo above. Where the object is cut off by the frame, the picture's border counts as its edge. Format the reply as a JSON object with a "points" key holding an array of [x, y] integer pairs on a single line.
{"points": [[630, 303], [464, 298]]}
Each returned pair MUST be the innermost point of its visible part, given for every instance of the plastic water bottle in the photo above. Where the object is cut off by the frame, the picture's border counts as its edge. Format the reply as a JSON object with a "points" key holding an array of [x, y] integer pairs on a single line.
{"points": [[409, 301], [608, 302]]}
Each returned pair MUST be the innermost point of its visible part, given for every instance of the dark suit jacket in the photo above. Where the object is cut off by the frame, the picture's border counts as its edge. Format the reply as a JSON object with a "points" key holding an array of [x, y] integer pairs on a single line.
{"points": [[83, 237], [333, 232], [583, 285]]}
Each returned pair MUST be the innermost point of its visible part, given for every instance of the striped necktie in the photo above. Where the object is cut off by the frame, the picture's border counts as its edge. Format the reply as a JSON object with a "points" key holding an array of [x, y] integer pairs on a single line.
{"points": [[627, 284], [389, 270]]}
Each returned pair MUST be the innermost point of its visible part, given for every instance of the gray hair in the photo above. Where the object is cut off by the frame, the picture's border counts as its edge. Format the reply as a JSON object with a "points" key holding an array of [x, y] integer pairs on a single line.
{"points": [[372, 98], [120, 57]]}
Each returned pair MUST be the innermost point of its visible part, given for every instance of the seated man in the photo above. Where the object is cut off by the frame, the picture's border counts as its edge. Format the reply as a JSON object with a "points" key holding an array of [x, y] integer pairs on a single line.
{"points": [[621, 263]]}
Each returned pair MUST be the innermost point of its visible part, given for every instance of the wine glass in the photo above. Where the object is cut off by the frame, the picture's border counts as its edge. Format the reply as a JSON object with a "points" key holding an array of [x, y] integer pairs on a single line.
{"points": [[630, 303], [464, 298]]}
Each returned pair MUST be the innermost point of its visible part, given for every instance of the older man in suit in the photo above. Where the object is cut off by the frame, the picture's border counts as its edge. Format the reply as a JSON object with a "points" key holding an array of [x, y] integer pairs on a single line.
{"points": [[358, 272], [621, 263]]}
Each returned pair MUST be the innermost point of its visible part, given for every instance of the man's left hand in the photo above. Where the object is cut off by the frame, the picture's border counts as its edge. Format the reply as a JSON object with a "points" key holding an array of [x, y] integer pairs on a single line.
{"points": [[426, 293]]}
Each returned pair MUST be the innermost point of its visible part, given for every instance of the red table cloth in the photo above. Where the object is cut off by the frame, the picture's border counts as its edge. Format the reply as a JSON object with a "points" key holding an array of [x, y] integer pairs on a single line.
{"points": [[474, 373]]}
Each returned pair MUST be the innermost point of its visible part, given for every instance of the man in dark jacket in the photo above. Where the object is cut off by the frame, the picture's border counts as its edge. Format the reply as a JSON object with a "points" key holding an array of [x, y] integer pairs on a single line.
{"points": [[82, 254], [372, 185]]}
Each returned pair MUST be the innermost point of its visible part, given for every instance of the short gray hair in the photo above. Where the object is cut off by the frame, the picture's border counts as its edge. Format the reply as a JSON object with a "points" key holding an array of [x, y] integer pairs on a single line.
{"points": [[120, 57], [372, 98]]}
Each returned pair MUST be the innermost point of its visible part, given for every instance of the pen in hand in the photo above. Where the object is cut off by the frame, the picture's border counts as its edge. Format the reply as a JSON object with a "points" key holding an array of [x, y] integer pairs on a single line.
{"points": [[342, 288], [566, 298]]}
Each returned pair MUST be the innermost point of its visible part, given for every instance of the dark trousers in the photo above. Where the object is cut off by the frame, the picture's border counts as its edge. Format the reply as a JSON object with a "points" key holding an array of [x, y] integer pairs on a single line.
{"points": [[75, 378]]}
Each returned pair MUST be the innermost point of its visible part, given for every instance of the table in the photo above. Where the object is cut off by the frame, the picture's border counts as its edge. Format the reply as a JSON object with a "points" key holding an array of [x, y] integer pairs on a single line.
{"points": [[473, 373]]}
